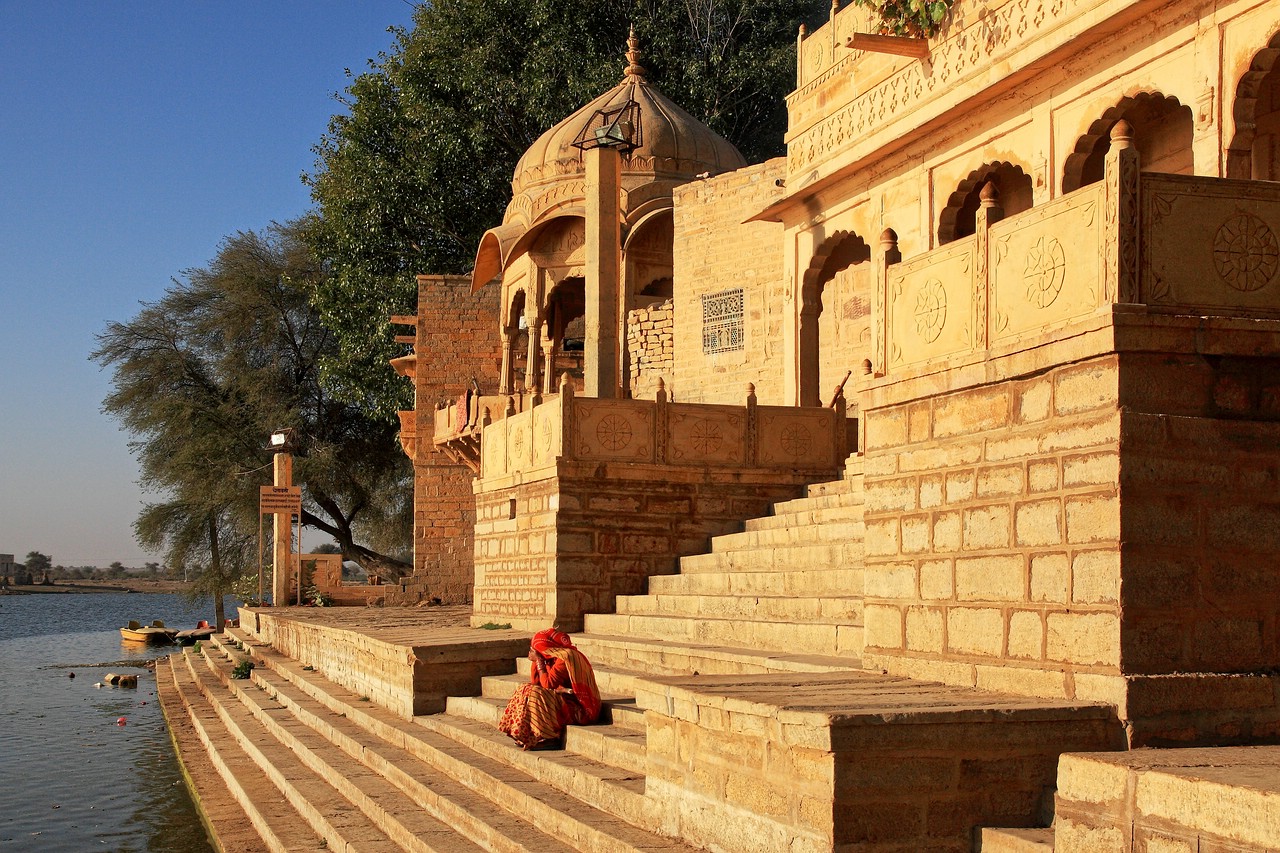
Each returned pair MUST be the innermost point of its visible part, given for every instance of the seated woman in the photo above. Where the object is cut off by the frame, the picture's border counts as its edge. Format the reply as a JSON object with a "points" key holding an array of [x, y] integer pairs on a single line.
{"points": [[561, 690]]}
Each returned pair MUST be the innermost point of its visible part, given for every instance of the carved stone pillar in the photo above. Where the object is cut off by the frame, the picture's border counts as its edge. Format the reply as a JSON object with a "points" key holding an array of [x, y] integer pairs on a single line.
{"points": [[535, 348], [504, 378], [1121, 175]]}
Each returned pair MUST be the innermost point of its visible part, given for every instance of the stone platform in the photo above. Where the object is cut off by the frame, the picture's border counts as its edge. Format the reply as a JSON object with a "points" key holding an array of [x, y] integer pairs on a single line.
{"points": [[406, 659]]}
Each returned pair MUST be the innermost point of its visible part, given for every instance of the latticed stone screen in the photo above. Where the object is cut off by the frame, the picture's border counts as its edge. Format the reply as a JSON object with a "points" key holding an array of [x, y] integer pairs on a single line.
{"points": [[722, 321]]}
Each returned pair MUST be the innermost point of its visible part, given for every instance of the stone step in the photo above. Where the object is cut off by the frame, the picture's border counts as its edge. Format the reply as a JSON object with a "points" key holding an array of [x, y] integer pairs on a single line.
{"points": [[1016, 840], [845, 609], [646, 656], [806, 517], [275, 823], [339, 822], [470, 814], [798, 557], [797, 533], [846, 497], [312, 737], [835, 581], [613, 744], [847, 484], [616, 709], [809, 637], [586, 804]]}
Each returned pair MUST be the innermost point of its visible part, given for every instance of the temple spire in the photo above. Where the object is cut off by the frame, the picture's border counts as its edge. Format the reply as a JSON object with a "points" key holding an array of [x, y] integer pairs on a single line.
{"points": [[634, 70]]}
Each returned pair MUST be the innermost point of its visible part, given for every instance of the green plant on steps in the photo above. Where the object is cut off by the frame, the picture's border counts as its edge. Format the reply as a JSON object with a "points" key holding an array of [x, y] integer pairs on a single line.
{"points": [[242, 669], [919, 18], [196, 648]]}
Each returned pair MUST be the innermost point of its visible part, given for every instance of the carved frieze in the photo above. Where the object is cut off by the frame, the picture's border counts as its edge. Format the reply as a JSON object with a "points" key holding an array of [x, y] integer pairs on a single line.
{"points": [[930, 304], [976, 42]]}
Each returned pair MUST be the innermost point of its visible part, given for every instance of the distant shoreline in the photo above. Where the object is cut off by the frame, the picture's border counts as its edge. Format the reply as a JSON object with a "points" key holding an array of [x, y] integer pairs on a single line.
{"points": [[83, 587]]}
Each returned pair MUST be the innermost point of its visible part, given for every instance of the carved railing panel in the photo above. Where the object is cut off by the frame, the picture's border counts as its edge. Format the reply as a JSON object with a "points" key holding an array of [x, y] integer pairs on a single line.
{"points": [[706, 435], [1046, 264], [790, 437], [929, 305], [1210, 244], [613, 430]]}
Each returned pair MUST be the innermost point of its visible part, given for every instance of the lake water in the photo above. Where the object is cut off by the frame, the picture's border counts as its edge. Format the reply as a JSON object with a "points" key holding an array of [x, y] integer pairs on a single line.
{"points": [[71, 779]]}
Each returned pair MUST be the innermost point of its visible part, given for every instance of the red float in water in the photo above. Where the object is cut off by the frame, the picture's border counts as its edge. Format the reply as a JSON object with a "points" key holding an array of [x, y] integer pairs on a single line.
{"points": [[122, 721]]}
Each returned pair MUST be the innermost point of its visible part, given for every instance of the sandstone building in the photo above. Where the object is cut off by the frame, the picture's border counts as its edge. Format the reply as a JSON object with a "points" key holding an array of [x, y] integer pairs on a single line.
{"points": [[880, 476]]}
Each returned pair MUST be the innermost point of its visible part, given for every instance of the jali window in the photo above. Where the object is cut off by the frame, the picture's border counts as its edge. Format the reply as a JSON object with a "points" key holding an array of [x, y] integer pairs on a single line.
{"points": [[722, 322]]}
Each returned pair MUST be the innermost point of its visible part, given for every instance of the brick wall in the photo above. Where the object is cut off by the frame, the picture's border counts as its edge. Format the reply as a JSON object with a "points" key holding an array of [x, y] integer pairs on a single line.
{"points": [[716, 250], [651, 348], [457, 340]]}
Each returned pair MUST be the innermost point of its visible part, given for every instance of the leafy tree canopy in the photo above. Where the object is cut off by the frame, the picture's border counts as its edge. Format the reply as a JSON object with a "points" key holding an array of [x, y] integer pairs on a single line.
{"points": [[419, 165], [202, 376], [38, 563]]}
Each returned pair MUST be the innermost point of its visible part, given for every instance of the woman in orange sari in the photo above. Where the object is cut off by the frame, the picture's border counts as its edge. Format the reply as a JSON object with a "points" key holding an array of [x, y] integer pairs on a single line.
{"points": [[561, 690]]}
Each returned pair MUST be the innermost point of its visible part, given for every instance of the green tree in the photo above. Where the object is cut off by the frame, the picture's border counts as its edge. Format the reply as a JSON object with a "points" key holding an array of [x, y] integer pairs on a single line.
{"points": [[419, 164], [202, 376], [38, 564]]}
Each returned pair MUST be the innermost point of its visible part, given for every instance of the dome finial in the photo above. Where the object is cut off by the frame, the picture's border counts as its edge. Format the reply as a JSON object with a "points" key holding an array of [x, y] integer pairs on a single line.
{"points": [[634, 68]]}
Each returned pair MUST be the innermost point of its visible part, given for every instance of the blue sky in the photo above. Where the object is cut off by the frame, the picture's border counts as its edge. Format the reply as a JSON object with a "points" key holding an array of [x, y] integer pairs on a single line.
{"points": [[133, 137]]}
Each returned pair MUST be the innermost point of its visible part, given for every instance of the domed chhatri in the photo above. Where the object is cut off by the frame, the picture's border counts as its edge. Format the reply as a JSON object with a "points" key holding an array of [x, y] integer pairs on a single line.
{"points": [[674, 146]]}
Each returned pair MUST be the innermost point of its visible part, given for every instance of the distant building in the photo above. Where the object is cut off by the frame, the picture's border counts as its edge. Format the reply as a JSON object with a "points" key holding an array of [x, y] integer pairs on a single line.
{"points": [[7, 567]]}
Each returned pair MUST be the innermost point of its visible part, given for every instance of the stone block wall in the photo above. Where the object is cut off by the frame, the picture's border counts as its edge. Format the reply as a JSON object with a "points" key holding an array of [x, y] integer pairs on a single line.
{"points": [[555, 547], [993, 533], [457, 340], [650, 347], [716, 251]]}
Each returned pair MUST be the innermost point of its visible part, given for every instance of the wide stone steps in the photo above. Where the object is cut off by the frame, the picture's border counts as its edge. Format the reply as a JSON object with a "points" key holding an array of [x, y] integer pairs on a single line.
{"points": [[316, 737], [655, 656], [511, 800], [275, 822], [339, 822]]}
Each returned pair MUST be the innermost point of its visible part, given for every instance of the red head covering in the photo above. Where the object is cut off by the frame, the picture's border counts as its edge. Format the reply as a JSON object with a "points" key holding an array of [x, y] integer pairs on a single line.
{"points": [[550, 639]]}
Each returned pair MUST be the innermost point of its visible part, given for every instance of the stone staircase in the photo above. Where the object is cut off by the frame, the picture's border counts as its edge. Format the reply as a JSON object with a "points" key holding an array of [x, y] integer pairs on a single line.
{"points": [[783, 595], [314, 766], [737, 718]]}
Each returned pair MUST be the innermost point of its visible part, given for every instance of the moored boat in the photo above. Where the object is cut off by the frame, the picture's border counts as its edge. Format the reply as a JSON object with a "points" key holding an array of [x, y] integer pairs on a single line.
{"points": [[202, 631], [154, 634]]}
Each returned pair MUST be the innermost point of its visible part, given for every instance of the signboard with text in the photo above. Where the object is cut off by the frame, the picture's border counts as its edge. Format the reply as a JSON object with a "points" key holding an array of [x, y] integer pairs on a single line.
{"points": [[280, 500]]}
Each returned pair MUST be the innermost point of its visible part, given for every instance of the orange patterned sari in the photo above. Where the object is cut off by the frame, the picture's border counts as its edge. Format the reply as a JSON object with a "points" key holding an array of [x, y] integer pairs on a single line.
{"points": [[561, 691]]}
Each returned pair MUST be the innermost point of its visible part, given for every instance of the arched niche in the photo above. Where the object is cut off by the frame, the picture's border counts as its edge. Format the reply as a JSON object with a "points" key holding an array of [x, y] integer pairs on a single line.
{"points": [[1162, 131], [648, 256], [835, 315], [1254, 151], [564, 308], [1016, 195], [515, 341]]}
